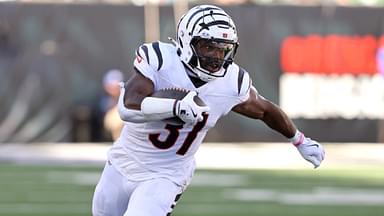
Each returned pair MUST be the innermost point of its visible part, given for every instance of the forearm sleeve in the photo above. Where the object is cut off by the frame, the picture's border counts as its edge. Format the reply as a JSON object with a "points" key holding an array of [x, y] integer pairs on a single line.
{"points": [[152, 109], [158, 108]]}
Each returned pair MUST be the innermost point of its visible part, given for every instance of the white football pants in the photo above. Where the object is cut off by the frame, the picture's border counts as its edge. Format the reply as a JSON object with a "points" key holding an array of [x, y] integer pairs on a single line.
{"points": [[115, 195]]}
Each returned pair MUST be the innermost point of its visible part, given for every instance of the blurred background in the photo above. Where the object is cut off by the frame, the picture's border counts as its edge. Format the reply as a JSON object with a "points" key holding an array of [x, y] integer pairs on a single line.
{"points": [[322, 61]]}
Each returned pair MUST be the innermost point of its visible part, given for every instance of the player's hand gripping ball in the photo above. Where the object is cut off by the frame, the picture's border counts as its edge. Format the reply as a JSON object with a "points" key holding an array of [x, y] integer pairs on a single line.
{"points": [[178, 94]]}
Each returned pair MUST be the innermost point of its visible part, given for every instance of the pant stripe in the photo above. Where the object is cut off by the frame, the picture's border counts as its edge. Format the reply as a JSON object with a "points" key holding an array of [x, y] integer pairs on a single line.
{"points": [[174, 204]]}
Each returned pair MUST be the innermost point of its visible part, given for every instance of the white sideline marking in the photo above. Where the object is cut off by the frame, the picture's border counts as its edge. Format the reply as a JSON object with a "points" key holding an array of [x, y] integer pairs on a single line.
{"points": [[42, 208], [209, 156], [219, 180], [79, 178], [318, 196]]}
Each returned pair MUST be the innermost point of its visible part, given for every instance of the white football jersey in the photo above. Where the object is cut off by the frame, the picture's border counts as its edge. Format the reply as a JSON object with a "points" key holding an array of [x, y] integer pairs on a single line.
{"points": [[156, 149]]}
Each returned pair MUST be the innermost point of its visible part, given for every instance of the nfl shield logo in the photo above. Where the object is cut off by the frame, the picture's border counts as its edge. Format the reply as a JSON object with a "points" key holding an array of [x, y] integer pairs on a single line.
{"points": [[225, 35]]}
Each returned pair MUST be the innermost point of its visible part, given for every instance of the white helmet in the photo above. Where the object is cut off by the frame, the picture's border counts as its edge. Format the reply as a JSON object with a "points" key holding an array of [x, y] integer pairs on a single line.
{"points": [[213, 25]]}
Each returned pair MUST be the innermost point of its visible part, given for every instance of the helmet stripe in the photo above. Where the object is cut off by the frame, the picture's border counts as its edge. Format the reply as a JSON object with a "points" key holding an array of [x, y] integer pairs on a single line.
{"points": [[194, 25], [201, 10], [218, 22]]}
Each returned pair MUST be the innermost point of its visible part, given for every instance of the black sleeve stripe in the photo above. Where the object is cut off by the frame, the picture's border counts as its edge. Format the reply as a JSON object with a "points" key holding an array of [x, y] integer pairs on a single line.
{"points": [[240, 80], [156, 47], [138, 53], [145, 49]]}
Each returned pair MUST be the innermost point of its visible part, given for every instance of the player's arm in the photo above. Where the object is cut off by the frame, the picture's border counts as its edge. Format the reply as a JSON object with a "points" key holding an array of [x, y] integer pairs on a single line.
{"points": [[136, 104], [135, 90], [258, 107]]}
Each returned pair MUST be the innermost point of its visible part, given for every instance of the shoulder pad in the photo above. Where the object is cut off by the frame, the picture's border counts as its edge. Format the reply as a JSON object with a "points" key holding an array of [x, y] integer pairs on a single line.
{"points": [[149, 54]]}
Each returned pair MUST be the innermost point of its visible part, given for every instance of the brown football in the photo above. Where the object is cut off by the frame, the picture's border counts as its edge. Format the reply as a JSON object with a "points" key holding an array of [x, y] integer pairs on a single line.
{"points": [[176, 93]]}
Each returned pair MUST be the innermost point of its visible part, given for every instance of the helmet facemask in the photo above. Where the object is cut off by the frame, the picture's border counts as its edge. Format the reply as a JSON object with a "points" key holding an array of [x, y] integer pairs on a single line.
{"points": [[212, 56]]}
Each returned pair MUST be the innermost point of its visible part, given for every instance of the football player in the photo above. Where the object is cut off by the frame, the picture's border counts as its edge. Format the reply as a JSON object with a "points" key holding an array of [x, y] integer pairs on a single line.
{"points": [[152, 162]]}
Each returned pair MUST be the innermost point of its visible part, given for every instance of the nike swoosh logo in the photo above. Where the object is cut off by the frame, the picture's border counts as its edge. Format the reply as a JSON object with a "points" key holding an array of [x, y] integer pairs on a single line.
{"points": [[315, 145]]}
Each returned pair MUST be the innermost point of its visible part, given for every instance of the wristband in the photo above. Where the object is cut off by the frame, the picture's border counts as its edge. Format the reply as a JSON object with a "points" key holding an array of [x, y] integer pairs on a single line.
{"points": [[297, 139]]}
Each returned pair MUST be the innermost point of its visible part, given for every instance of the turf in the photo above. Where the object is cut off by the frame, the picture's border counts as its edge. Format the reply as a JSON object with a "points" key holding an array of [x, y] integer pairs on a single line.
{"points": [[59, 190]]}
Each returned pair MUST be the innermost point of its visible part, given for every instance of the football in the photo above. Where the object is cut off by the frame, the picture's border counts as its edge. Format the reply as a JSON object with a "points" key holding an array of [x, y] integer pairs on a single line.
{"points": [[176, 93]]}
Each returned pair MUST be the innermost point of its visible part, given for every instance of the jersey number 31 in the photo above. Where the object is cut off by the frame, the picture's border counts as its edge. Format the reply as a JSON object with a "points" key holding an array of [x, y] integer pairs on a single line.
{"points": [[174, 134]]}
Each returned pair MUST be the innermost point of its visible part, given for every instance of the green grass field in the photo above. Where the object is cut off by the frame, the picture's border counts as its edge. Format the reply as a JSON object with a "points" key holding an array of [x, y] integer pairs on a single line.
{"points": [[59, 190]]}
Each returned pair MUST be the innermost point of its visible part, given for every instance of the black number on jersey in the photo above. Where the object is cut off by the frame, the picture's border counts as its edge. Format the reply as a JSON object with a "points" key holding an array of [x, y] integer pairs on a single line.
{"points": [[174, 134]]}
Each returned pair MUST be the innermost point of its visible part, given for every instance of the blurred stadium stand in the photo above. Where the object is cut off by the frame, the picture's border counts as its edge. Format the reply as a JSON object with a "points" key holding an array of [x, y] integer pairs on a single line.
{"points": [[53, 55], [222, 2]]}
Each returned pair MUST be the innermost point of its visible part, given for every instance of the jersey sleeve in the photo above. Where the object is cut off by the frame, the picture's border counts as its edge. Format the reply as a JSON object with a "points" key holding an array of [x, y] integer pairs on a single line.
{"points": [[244, 84], [149, 60], [241, 84]]}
